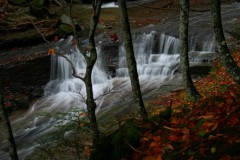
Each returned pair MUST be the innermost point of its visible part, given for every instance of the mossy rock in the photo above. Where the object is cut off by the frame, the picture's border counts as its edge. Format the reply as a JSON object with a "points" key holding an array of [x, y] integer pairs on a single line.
{"points": [[64, 29], [67, 26]]}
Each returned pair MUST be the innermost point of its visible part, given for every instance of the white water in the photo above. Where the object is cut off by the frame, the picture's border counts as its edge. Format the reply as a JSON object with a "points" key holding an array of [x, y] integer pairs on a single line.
{"points": [[109, 5], [157, 58], [157, 63]]}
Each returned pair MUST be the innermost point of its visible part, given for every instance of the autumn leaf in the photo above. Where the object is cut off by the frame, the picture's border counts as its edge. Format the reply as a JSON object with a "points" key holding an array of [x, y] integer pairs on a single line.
{"points": [[51, 51], [157, 151], [87, 151], [82, 124], [82, 114], [154, 145], [113, 37], [174, 138], [156, 138]]}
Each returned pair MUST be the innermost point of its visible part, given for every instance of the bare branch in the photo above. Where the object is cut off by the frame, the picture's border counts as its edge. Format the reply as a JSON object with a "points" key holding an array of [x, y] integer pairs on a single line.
{"points": [[104, 94], [60, 54], [34, 25]]}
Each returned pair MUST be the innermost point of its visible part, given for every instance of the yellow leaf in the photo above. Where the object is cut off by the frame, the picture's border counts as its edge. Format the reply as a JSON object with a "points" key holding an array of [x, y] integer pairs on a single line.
{"points": [[213, 150]]}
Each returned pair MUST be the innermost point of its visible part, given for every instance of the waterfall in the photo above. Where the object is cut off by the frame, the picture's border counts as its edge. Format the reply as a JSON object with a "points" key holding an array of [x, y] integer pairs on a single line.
{"points": [[158, 54], [61, 70], [157, 57]]}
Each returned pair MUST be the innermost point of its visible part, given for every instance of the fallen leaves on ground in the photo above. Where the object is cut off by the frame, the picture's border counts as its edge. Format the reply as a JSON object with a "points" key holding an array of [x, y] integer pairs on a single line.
{"points": [[207, 129]]}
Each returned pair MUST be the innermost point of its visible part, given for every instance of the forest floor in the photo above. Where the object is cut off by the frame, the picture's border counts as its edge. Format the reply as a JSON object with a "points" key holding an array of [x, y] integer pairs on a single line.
{"points": [[206, 129]]}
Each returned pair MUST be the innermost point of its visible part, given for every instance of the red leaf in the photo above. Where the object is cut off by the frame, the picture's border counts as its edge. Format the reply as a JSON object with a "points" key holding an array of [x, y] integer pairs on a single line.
{"points": [[156, 138], [113, 37], [157, 151], [174, 138]]}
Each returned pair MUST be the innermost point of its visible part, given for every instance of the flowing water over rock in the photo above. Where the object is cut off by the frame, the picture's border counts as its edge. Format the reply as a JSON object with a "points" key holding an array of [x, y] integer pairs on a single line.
{"points": [[157, 56]]}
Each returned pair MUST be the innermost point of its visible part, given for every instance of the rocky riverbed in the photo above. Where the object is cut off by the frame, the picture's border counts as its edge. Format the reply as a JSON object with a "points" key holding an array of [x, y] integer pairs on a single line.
{"points": [[23, 52]]}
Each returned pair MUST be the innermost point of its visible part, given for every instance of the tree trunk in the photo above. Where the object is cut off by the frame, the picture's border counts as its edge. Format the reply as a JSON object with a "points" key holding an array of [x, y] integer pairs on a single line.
{"points": [[184, 62], [222, 49], [90, 60], [7, 126], [132, 66]]}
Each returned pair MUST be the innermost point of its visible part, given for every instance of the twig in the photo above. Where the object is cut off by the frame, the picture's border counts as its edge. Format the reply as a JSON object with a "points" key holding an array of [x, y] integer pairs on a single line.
{"points": [[58, 3], [132, 146]]}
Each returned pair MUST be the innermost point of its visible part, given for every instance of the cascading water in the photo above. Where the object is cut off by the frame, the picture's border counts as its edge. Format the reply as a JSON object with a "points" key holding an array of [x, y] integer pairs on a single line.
{"points": [[151, 53], [157, 56]]}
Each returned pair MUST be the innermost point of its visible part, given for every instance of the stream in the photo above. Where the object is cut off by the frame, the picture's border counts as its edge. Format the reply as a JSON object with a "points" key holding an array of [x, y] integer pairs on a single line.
{"points": [[157, 54]]}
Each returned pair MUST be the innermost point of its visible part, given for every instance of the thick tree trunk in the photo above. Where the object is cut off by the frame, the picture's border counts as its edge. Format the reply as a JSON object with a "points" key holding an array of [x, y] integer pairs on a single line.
{"points": [[132, 66], [222, 49], [7, 126], [184, 62]]}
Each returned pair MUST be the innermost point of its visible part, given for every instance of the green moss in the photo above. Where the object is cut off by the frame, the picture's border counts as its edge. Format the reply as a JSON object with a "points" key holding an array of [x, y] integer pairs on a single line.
{"points": [[64, 29]]}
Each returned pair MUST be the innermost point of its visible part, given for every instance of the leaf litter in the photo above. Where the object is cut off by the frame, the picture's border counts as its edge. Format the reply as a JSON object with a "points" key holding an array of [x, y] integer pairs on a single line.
{"points": [[206, 129]]}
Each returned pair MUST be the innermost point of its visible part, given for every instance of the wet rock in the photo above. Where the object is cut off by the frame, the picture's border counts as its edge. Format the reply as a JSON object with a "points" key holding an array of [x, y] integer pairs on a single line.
{"points": [[67, 26], [22, 101], [36, 93], [23, 79]]}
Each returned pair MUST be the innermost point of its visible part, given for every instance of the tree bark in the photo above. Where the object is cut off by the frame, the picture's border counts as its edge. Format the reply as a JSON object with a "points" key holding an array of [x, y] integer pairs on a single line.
{"points": [[132, 66], [184, 62], [90, 60], [222, 49], [7, 126]]}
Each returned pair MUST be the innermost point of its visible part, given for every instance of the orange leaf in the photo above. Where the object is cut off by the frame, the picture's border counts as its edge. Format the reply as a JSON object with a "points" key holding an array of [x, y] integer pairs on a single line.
{"points": [[82, 114], [214, 127], [154, 145], [156, 138], [233, 121], [159, 157], [51, 51], [82, 124], [185, 130], [157, 151], [174, 138], [206, 125]]}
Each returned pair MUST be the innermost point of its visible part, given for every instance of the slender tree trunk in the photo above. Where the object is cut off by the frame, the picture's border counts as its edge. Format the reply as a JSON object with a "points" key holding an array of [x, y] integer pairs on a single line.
{"points": [[7, 126], [132, 66], [222, 49], [184, 62], [90, 60]]}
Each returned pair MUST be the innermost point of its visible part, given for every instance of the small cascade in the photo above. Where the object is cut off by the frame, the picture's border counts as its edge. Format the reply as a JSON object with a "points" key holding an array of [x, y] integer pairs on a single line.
{"points": [[155, 55], [202, 44], [158, 54], [61, 71]]}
